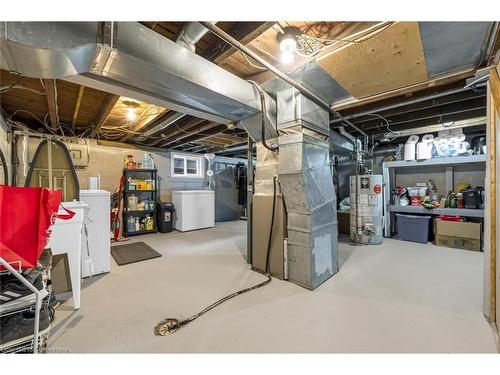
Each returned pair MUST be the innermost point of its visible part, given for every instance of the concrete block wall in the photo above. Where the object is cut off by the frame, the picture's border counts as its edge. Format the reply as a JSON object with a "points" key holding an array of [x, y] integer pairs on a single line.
{"points": [[109, 161]]}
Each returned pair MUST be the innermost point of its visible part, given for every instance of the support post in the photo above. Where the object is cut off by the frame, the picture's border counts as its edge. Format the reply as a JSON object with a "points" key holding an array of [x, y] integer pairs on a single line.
{"points": [[249, 199]]}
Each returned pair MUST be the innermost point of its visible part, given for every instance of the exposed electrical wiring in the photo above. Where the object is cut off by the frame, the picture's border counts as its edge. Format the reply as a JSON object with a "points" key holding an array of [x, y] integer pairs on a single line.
{"points": [[57, 107], [34, 116], [191, 133], [359, 40], [310, 45], [7, 88], [21, 87], [258, 67], [61, 125], [390, 135], [266, 52]]}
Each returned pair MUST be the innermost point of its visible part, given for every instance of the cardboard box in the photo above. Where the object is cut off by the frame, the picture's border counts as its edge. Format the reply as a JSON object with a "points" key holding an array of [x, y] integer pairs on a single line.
{"points": [[262, 206], [344, 221], [459, 235]]}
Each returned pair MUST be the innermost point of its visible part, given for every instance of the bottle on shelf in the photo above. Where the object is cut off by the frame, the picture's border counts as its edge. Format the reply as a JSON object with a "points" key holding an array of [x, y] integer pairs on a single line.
{"points": [[149, 223], [129, 162], [147, 162], [132, 202], [130, 224]]}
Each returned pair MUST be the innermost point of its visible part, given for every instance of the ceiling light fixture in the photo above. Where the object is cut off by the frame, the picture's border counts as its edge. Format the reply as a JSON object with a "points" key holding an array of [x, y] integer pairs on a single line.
{"points": [[288, 43], [131, 114], [287, 57]]}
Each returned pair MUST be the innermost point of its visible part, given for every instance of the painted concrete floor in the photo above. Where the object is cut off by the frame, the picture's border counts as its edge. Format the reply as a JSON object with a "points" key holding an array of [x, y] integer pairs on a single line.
{"points": [[399, 297]]}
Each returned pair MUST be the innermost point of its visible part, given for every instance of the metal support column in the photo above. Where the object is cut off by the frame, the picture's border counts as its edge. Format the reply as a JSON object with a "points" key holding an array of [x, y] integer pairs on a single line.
{"points": [[249, 198]]}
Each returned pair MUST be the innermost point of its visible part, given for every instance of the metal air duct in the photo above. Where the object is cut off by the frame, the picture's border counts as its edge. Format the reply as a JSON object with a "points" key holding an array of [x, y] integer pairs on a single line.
{"points": [[191, 34], [307, 185], [127, 59]]}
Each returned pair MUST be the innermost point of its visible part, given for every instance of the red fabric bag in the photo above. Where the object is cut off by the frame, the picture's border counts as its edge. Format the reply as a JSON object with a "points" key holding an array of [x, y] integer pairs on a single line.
{"points": [[26, 215]]}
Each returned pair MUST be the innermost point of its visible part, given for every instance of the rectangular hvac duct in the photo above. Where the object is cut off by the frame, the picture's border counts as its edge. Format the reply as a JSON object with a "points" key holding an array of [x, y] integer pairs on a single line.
{"points": [[294, 109], [307, 185], [127, 59]]}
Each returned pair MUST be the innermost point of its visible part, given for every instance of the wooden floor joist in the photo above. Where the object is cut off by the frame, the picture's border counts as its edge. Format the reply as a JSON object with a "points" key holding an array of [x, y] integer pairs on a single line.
{"points": [[51, 90], [77, 105], [187, 131], [106, 108], [152, 113]]}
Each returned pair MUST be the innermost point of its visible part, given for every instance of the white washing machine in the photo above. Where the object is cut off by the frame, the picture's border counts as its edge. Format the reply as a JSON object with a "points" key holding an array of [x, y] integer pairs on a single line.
{"points": [[194, 209], [96, 257]]}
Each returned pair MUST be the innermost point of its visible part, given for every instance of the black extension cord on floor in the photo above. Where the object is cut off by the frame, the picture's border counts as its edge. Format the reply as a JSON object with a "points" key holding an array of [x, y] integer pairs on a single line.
{"points": [[171, 325]]}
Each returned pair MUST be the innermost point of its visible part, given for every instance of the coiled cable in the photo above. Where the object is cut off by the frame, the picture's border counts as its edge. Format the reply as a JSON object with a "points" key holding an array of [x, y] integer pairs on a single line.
{"points": [[171, 325]]}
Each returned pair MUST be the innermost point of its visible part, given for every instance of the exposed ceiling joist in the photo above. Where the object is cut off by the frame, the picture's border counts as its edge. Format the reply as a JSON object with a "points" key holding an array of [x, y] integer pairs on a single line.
{"points": [[106, 108], [405, 90], [151, 114], [201, 136], [456, 115], [197, 148], [433, 106], [51, 89], [245, 33], [185, 129], [192, 135], [77, 104]]}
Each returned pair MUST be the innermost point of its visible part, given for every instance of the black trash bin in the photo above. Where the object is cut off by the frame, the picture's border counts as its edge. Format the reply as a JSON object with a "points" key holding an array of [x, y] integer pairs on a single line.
{"points": [[164, 216]]}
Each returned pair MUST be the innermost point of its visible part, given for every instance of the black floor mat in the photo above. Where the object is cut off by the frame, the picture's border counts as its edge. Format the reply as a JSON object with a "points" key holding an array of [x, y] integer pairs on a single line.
{"points": [[132, 253]]}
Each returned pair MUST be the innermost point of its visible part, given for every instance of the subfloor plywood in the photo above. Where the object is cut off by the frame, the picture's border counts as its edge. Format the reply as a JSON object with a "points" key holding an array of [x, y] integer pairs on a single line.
{"points": [[392, 59], [398, 297]]}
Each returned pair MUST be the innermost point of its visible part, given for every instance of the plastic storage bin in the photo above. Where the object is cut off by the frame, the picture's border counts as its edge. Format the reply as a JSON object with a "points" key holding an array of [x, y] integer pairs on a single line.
{"points": [[413, 228]]}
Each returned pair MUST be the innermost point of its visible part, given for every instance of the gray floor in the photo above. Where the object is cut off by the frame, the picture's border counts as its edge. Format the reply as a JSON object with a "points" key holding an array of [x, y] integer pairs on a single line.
{"points": [[398, 297]]}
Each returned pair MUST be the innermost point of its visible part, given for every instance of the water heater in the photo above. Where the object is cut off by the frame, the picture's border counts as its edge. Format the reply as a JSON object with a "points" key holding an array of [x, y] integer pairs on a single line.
{"points": [[367, 219]]}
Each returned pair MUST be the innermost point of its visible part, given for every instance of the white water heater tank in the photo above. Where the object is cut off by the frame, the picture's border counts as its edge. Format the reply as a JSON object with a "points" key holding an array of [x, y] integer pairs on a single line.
{"points": [[367, 216]]}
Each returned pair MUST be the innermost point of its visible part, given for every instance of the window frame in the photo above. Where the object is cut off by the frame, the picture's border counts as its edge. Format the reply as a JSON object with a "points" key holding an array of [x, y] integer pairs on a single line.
{"points": [[200, 166]]}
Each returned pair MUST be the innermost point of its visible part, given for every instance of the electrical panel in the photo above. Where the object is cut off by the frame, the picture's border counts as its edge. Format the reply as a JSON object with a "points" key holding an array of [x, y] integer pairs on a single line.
{"points": [[79, 154]]}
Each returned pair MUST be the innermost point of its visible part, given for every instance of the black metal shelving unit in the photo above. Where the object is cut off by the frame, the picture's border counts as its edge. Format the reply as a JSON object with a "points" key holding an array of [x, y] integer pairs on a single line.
{"points": [[149, 194]]}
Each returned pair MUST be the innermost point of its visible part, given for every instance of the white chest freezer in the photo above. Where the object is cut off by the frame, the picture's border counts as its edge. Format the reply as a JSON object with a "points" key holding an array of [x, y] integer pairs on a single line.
{"points": [[194, 209], [96, 257]]}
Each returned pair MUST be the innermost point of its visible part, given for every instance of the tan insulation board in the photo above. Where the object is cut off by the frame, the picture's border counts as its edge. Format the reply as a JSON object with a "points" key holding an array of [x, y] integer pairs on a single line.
{"points": [[392, 59]]}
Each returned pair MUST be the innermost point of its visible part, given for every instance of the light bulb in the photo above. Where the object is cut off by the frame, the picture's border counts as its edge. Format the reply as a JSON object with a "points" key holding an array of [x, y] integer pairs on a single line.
{"points": [[131, 114], [287, 57], [288, 44]]}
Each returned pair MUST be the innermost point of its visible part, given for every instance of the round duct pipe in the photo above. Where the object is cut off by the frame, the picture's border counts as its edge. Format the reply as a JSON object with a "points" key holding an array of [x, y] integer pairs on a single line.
{"points": [[191, 34]]}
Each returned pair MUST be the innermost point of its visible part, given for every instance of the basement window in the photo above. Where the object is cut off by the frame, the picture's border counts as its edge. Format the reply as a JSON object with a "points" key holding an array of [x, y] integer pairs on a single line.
{"points": [[184, 165]]}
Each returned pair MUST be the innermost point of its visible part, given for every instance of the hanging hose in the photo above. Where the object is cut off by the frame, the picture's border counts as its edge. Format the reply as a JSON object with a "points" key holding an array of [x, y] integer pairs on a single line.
{"points": [[3, 163], [171, 325], [269, 239], [15, 161], [274, 147]]}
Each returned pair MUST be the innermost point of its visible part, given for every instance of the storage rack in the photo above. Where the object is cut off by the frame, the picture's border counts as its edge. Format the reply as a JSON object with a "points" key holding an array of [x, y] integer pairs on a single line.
{"points": [[31, 344], [389, 174], [151, 194]]}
